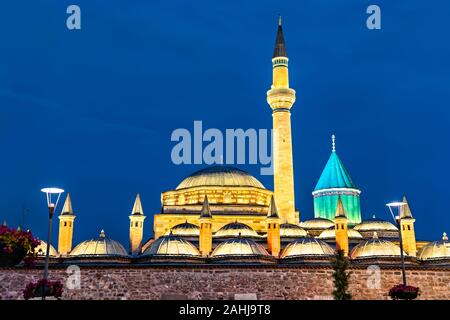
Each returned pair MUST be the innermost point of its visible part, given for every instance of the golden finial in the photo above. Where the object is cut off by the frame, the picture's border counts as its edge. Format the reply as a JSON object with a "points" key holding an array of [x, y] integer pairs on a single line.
{"points": [[444, 236], [102, 233], [333, 143], [375, 235]]}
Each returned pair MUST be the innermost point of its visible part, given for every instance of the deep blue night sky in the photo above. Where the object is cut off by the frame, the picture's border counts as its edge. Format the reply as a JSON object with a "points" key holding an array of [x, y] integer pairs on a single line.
{"points": [[92, 111]]}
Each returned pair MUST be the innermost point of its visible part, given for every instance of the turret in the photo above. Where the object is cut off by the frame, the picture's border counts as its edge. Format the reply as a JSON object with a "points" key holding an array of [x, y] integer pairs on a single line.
{"points": [[66, 224], [341, 227], [205, 238], [273, 229], [137, 218], [407, 226]]}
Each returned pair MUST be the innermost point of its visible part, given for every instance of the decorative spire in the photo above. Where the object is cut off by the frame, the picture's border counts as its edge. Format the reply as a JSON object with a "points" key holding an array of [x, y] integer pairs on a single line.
{"points": [[137, 207], [333, 143], [375, 235], [280, 46], [405, 211], [206, 211], [340, 212], [102, 234], [444, 237], [67, 208], [273, 212]]}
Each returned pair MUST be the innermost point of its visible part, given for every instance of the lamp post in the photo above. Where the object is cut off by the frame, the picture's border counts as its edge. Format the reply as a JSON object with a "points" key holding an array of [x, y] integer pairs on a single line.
{"points": [[51, 204], [397, 219]]}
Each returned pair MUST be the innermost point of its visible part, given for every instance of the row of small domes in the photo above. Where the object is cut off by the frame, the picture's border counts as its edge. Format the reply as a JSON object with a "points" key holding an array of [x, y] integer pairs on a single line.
{"points": [[171, 245]]}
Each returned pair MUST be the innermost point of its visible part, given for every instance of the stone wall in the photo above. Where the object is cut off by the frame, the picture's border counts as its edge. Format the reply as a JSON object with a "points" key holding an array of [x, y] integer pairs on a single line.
{"points": [[224, 282]]}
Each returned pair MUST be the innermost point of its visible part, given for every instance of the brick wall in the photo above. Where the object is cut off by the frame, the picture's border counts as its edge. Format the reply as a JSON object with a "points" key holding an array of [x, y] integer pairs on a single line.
{"points": [[220, 282]]}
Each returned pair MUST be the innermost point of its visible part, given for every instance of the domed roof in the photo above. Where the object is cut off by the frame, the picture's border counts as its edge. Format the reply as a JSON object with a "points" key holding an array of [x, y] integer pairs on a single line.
{"points": [[307, 247], [41, 249], [436, 250], [375, 224], [375, 248], [334, 175], [292, 230], [171, 245], [239, 247], [331, 234], [185, 229], [220, 176], [102, 246], [317, 223], [236, 229]]}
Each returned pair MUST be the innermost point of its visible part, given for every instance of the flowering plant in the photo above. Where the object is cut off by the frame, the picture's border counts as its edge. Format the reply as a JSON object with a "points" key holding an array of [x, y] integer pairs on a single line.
{"points": [[404, 292], [43, 287], [15, 244]]}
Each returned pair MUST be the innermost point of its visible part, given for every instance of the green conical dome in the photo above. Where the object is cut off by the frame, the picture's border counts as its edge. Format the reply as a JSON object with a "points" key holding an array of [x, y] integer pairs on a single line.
{"points": [[334, 175], [334, 183]]}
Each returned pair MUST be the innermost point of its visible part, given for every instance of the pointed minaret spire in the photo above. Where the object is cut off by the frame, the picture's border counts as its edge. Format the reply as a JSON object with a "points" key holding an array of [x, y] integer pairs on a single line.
{"points": [[405, 211], [340, 212], [137, 207], [206, 211], [333, 143], [280, 46], [67, 208], [273, 212]]}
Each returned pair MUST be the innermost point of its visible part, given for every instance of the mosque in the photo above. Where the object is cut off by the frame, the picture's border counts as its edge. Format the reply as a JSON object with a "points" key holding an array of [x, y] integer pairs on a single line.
{"points": [[222, 214]]}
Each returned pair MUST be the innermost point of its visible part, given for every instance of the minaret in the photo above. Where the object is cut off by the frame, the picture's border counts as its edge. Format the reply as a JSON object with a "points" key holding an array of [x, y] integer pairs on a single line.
{"points": [[281, 98], [273, 229], [407, 226], [341, 227], [136, 226], [66, 220], [205, 240]]}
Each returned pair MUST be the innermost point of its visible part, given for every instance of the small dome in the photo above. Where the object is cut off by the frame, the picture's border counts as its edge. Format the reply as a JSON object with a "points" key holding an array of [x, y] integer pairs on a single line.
{"points": [[290, 230], [307, 247], [436, 250], [317, 223], [220, 176], [41, 250], [375, 224], [239, 247], [235, 229], [185, 229], [375, 248], [331, 234], [171, 245], [102, 246]]}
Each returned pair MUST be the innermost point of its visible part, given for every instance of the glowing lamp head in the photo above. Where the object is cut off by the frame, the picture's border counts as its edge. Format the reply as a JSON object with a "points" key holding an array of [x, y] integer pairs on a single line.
{"points": [[395, 204], [52, 192]]}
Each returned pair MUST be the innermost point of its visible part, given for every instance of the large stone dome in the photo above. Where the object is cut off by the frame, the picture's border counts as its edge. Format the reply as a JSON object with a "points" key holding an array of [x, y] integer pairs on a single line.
{"points": [[375, 247], [41, 249], [185, 229], [102, 246], [239, 247], [307, 247], [235, 229], [220, 176], [171, 245], [436, 250]]}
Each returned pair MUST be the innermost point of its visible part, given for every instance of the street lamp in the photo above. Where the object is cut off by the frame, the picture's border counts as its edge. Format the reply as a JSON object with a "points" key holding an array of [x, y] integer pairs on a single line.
{"points": [[52, 195], [397, 219]]}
